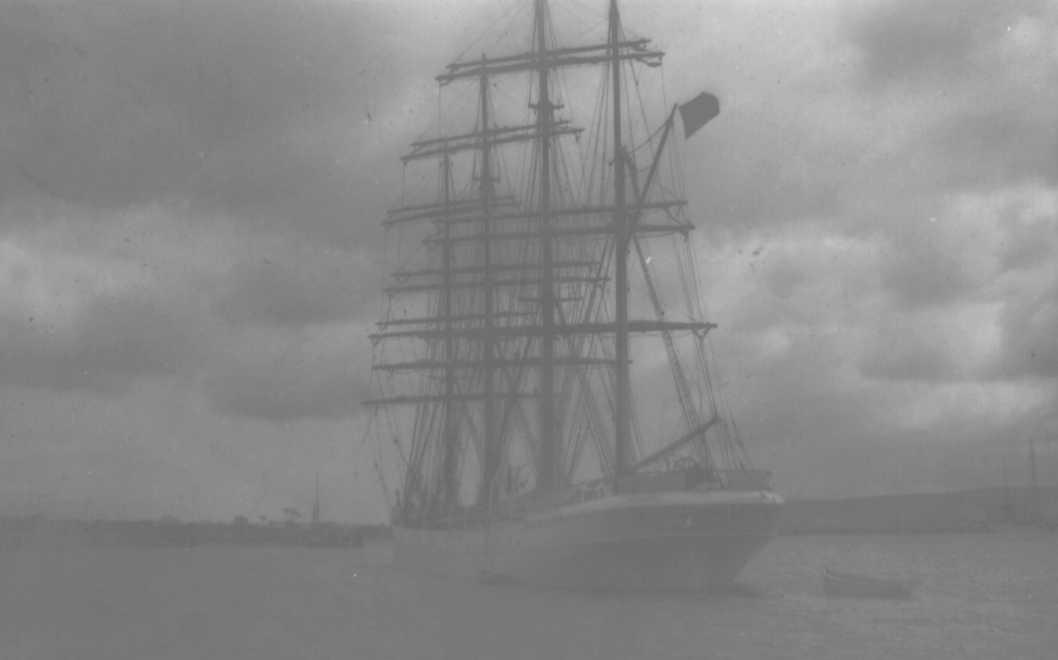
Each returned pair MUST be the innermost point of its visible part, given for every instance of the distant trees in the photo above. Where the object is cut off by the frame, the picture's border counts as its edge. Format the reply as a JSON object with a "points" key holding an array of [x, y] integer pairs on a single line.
{"points": [[291, 515]]}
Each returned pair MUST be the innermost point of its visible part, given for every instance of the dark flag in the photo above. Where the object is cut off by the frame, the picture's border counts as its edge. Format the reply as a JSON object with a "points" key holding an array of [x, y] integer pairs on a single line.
{"points": [[698, 112]]}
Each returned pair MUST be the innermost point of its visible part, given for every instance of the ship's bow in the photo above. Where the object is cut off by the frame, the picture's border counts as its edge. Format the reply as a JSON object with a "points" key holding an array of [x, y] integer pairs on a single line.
{"points": [[678, 541]]}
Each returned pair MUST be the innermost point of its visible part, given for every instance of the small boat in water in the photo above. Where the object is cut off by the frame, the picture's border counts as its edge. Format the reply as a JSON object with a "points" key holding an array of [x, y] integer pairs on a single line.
{"points": [[853, 585]]}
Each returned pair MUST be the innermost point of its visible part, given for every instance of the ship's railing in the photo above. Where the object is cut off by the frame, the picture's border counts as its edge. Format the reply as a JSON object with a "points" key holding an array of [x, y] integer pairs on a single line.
{"points": [[748, 479], [664, 480], [468, 518], [591, 490], [675, 479]]}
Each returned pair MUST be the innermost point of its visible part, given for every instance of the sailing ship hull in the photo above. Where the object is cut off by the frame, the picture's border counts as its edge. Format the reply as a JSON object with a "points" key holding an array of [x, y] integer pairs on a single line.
{"points": [[673, 541]]}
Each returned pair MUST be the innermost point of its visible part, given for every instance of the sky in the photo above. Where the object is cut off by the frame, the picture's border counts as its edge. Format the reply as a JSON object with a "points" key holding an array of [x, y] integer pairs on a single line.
{"points": [[190, 197]]}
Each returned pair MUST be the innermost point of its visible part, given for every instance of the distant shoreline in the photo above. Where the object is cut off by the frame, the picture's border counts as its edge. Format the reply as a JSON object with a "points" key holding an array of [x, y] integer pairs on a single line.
{"points": [[980, 510], [959, 511], [37, 531]]}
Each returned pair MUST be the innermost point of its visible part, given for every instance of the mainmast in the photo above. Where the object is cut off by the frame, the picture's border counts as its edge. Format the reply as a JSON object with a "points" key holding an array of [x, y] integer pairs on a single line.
{"points": [[490, 442], [316, 502], [620, 220], [1034, 489], [450, 464], [547, 468]]}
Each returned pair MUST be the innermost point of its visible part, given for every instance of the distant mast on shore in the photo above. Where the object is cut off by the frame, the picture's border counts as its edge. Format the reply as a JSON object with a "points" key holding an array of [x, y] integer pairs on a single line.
{"points": [[316, 502], [1035, 513]]}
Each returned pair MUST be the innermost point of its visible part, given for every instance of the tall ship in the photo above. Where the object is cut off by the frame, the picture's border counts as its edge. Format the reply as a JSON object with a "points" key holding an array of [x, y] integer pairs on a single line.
{"points": [[543, 405]]}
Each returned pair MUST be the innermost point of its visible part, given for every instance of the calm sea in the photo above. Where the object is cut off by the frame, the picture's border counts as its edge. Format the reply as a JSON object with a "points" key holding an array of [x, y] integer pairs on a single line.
{"points": [[988, 596]]}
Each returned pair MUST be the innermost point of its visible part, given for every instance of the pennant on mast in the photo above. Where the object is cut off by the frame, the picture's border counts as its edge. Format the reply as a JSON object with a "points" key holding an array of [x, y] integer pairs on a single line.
{"points": [[698, 112]]}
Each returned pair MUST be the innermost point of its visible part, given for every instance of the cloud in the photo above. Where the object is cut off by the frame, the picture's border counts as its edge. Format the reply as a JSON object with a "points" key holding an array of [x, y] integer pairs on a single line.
{"points": [[282, 375], [982, 75], [925, 42], [266, 322], [831, 368], [253, 111], [1004, 143], [948, 343], [113, 342], [190, 195], [296, 285], [969, 290], [1030, 328], [75, 320], [932, 260]]}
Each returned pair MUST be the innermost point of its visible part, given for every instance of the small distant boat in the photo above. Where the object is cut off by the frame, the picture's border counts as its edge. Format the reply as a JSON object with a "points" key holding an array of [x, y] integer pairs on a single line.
{"points": [[852, 585]]}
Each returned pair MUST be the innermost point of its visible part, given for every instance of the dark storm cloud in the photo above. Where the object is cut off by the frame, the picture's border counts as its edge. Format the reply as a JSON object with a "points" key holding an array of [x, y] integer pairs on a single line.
{"points": [[101, 305], [935, 41], [759, 169], [1027, 243], [210, 133], [123, 102], [983, 79], [799, 416], [828, 432], [299, 286], [289, 376], [970, 292], [1006, 140], [212, 172], [915, 359], [783, 277], [1030, 330], [116, 340], [278, 188], [926, 272]]}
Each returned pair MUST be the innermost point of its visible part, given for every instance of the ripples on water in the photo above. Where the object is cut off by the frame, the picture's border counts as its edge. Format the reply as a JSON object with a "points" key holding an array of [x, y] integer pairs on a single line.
{"points": [[982, 596]]}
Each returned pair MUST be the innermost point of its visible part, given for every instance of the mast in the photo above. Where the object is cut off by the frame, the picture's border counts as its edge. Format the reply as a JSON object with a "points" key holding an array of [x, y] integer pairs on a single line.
{"points": [[1008, 503], [620, 219], [1034, 489], [316, 502], [450, 464], [490, 443], [547, 467]]}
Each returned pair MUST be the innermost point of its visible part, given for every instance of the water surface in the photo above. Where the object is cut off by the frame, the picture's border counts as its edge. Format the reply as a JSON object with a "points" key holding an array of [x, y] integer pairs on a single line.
{"points": [[982, 596]]}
